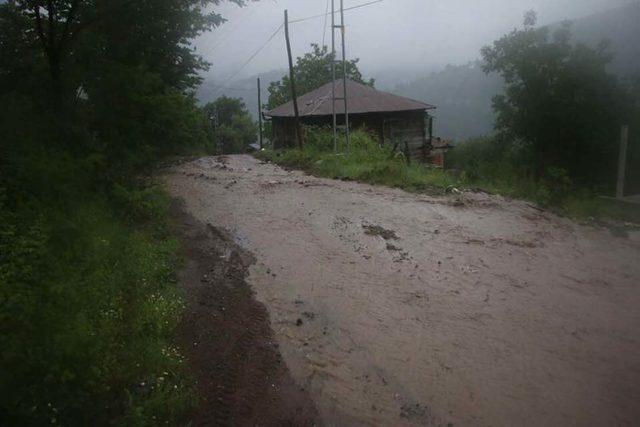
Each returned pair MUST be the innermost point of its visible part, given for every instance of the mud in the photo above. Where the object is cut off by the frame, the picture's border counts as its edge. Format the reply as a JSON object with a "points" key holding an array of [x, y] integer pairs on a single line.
{"points": [[482, 311], [240, 376]]}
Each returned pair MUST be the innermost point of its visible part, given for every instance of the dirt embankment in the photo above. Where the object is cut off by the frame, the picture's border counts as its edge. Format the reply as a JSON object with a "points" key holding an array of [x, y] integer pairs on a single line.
{"points": [[241, 378], [398, 309]]}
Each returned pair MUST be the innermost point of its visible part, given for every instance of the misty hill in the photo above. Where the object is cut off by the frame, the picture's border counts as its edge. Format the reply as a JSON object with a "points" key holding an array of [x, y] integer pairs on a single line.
{"points": [[463, 93], [463, 96], [621, 26]]}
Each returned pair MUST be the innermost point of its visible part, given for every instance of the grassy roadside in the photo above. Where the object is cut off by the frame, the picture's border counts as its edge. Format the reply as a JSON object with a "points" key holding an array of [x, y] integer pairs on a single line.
{"points": [[88, 309], [367, 162]]}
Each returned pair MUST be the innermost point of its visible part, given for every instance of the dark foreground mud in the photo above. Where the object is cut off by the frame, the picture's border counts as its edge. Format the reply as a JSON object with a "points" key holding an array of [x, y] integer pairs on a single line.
{"points": [[227, 339]]}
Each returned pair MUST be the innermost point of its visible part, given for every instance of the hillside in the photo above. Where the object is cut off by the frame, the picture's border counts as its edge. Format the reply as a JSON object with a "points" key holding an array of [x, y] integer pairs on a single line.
{"points": [[463, 93]]}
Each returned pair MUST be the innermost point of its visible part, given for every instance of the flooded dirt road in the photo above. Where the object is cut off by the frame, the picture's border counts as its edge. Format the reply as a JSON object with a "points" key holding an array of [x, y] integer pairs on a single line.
{"points": [[393, 308]]}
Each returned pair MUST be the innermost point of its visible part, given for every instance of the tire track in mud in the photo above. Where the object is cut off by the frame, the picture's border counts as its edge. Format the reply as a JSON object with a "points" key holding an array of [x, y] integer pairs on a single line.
{"points": [[240, 376]]}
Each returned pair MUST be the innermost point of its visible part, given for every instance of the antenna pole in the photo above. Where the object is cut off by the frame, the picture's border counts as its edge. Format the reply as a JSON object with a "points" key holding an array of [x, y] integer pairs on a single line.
{"points": [[333, 78], [260, 113], [344, 74]]}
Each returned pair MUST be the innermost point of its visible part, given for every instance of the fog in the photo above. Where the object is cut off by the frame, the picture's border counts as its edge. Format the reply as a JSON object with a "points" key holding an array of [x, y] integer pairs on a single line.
{"points": [[407, 36]]}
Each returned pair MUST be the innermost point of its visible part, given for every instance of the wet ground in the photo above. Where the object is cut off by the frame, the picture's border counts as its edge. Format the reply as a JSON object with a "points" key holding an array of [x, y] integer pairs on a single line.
{"points": [[240, 376], [392, 308]]}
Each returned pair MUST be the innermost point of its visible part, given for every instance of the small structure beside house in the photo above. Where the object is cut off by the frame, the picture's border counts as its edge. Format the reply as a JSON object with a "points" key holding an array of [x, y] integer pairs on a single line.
{"points": [[393, 119], [439, 147]]}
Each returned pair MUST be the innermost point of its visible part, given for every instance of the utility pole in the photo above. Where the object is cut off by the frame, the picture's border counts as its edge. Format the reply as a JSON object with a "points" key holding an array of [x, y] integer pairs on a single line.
{"points": [[334, 61], [622, 161], [293, 81], [260, 113]]}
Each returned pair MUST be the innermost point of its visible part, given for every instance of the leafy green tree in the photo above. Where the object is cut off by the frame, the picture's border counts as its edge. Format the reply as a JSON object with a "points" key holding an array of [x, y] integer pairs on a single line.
{"points": [[235, 130], [312, 71], [559, 100], [72, 33], [93, 93]]}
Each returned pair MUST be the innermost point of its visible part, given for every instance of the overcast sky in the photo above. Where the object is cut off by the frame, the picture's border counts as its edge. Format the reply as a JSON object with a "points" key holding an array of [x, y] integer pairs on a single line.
{"points": [[414, 34]]}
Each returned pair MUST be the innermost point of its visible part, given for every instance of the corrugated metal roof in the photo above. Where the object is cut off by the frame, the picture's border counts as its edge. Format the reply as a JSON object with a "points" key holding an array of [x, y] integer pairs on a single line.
{"points": [[361, 99]]}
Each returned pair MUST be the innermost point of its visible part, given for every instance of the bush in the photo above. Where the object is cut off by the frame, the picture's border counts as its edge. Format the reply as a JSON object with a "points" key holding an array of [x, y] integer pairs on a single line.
{"points": [[88, 306], [365, 161], [486, 163]]}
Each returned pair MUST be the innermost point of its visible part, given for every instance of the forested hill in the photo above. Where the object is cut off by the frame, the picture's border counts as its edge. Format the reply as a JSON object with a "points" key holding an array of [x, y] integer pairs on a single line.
{"points": [[463, 93], [621, 26], [463, 96]]}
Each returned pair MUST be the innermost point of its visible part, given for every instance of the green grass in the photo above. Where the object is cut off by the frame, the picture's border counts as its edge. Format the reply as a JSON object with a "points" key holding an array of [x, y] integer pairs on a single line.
{"points": [[367, 162], [88, 310]]}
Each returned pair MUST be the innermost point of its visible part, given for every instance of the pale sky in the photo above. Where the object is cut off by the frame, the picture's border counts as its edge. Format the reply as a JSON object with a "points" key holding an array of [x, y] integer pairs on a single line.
{"points": [[413, 34]]}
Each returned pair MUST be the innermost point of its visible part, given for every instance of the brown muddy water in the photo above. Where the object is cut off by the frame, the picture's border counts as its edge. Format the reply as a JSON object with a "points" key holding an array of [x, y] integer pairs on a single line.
{"points": [[392, 308]]}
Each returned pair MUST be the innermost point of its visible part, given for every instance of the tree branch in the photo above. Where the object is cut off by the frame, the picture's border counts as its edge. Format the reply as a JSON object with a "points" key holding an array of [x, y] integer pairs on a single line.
{"points": [[40, 29], [66, 35], [98, 18], [51, 9]]}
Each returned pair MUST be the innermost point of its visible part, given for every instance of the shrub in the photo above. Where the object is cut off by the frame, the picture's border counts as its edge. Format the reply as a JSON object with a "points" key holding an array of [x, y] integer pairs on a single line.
{"points": [[87, 312]]}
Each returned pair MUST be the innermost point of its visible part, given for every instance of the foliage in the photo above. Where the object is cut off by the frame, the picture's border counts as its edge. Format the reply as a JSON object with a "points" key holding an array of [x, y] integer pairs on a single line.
{"points": [[497, 166], [559, 99], [463, 93], [92, 95], [312, 71], [236, 129], [88, 308], [484, 163], [365, 161]]}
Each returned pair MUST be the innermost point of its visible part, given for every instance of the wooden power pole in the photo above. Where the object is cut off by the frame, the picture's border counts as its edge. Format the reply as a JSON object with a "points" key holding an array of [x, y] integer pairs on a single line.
{"points": [[622, 161], [293, 81], [260, 113]]}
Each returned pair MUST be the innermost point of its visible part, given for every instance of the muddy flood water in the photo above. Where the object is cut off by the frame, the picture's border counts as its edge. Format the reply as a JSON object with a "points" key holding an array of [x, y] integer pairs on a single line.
{"points": [[392, 308]]}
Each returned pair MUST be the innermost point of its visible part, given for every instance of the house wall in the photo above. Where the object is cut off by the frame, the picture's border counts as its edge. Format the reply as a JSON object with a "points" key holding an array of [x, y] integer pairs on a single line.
{"points": [[389, 128], [409, 128]]}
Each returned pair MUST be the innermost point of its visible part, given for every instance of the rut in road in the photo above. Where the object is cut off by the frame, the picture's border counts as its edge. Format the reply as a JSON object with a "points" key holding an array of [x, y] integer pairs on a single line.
{"points": [[239, 373]]}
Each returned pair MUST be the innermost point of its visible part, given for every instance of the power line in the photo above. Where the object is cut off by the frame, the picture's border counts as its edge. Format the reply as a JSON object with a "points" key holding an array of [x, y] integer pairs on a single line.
{"points": [[324, 27], [325, 14], [275, 33], [224, 36], [232, 88]]}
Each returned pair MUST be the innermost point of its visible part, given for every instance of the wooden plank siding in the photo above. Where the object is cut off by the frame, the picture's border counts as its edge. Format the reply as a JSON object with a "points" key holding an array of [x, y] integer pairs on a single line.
{"points": [[388, 128]]}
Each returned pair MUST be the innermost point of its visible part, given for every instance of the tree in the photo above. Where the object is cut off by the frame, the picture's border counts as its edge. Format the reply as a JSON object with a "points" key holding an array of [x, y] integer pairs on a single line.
{"points": [[156, 32], [312, 71], [93, 93], [559, 100], [236, 129]]}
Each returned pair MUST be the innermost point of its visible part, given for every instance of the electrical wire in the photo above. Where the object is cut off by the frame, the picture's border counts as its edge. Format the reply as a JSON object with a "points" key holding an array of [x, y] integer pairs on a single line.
{"points": [[233, 88], [324, 27], [275, 33], [224, 36], [325, 14]]}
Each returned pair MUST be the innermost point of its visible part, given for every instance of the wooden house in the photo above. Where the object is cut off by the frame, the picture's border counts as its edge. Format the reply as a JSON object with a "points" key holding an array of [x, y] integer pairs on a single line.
{"points": [[393, 119]]}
